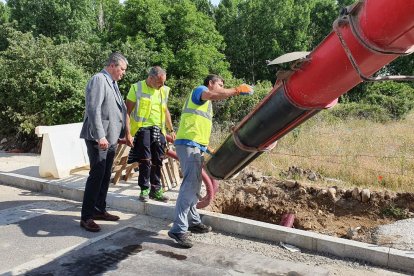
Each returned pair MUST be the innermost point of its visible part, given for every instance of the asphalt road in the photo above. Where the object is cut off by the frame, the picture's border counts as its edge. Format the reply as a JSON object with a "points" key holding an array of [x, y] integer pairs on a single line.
{"points": [[40, 235]]}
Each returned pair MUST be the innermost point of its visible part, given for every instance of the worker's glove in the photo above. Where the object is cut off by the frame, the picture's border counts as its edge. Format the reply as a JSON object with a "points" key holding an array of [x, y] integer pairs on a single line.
{"points": [[244, 89]]}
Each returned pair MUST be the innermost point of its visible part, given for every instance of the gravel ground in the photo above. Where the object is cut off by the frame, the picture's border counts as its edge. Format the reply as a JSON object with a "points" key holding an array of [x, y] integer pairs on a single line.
{"points": [[336, 266], [399, 234]]}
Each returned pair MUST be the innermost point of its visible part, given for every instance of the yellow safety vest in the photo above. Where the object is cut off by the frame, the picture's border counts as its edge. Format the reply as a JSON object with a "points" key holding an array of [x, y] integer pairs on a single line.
{"points": [[196, 122], [145, 100]]}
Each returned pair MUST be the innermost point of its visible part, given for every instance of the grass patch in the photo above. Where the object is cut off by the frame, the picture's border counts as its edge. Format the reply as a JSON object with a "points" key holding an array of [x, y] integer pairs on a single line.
{"points": [[395, 212], [357, 152]]}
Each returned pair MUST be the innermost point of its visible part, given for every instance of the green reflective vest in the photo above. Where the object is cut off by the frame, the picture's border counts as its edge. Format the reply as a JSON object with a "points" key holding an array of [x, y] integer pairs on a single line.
{"points": [[148, 99], [196, 122]]}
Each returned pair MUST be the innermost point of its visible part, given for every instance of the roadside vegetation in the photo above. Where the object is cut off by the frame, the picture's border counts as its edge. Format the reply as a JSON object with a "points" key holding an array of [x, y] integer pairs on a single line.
{"points": [[50, 48], [344, 152]]}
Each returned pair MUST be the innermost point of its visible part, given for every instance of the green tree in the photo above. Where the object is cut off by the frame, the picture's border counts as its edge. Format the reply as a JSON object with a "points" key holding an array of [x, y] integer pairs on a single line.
{"points": [[195, 44], [259, 30], [71, 19], [178, 37], [4, 13], [107, 15], [41, 83], [323, 14], [205, 7]]}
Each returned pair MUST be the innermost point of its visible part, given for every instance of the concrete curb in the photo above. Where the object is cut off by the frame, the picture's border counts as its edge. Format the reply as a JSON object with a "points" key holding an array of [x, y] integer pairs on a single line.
{"points": [[377, 255]]}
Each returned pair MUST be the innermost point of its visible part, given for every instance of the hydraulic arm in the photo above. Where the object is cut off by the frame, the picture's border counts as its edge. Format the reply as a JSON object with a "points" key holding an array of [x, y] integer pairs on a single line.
{"points": [[367, 36]]}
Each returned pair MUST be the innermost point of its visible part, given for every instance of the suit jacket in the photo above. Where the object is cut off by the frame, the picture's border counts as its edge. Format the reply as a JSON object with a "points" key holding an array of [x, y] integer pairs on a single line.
{"points": [[105, 111]]}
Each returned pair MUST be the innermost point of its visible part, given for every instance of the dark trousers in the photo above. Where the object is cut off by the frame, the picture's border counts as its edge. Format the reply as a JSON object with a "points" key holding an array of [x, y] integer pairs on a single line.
{"points": [[149, 152], [97, 184]]}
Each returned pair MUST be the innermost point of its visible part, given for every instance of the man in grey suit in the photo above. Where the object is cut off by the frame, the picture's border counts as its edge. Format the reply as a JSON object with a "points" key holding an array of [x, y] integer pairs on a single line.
{"points": [[104, 123]]}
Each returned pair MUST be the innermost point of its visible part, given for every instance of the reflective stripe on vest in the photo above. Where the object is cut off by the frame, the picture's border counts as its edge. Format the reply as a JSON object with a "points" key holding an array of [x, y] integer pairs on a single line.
{"points": [[207, 114], [137, 116], [196, 122]]}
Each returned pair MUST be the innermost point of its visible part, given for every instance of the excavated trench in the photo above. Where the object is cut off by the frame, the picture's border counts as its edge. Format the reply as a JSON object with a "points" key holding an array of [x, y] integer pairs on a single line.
{"points": [[352, 214]]}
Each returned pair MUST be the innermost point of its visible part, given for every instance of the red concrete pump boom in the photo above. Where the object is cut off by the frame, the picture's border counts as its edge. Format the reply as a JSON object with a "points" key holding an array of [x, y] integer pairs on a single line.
{"points": [[367, 36]]}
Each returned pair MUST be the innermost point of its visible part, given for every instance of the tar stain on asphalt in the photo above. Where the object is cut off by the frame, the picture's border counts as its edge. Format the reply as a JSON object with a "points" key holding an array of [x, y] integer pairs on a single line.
{"points": [[171, 255], [101, 262], [98, 263]]}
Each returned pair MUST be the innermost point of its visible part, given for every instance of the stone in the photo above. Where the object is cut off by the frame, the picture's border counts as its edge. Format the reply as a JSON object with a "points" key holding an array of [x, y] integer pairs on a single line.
{"points": [[332, 192], [365, 195], [356, 194], [289, 184], [312, 176], [322, 193], [250, 189], [256, 175]]}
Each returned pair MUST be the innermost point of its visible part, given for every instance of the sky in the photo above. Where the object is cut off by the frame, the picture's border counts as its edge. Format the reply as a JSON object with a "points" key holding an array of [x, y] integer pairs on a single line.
{"points": [[215, 2]]}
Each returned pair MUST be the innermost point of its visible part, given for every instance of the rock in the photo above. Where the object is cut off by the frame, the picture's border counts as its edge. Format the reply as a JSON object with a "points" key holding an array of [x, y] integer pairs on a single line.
{"points": [[356, 194], [312, 205], [307, 225], [352, 232], [389, 195], [256, 175], [322, 193], [348, 194], [250, 189], [312, 176], [332, 192], [249, 180], [301, 191], [365, 195], [289, 184], [3, 141], [259, 182]]}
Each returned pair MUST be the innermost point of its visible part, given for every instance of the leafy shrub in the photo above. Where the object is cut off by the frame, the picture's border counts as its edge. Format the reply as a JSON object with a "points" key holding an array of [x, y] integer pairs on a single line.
{"points": [[396, 98], [40, 85], [381, 101], [236, 108], [360, 111]]}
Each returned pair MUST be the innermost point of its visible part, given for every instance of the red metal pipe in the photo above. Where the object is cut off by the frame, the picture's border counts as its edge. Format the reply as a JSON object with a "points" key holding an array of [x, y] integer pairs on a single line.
{"points": [[388, 25], [368, 36]]}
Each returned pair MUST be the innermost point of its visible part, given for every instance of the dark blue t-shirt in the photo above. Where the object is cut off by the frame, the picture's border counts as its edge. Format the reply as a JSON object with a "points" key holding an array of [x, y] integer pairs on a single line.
{"points": [[198, 91]]}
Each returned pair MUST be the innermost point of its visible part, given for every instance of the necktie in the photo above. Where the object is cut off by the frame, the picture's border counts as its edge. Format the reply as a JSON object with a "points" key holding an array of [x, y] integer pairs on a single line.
{"points": [[117, 92]]}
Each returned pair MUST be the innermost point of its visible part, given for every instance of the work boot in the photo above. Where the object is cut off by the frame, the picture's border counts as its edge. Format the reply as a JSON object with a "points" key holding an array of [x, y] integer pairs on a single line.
{"points": [[200, 228], [144, 195], [158, 195], [181, 238]]}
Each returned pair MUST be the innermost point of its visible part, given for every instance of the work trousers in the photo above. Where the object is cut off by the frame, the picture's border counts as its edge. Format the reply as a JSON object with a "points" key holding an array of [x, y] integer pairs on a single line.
{"points": [[149, 152], [191, 162]]}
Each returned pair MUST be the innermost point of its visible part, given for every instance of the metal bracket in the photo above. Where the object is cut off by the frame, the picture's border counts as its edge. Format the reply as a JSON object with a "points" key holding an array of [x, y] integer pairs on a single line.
{"points": [[347, 17]]}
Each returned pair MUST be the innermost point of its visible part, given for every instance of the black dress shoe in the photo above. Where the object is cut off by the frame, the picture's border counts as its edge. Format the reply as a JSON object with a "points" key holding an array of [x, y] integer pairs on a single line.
{"points": [[90, 225], [105, 216]]}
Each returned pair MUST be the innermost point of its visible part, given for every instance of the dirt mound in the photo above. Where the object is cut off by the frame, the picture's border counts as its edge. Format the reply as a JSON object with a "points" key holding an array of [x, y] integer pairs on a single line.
{"points": [[352, 214]]}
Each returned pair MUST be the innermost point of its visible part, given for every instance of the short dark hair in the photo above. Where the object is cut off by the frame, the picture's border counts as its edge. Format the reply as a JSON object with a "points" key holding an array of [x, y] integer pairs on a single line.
{"points": [[115, 58], [213, 78], [156, 71]]}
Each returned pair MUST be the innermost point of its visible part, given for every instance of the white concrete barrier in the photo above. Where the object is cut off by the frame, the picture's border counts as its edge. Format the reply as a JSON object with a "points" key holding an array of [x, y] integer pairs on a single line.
{"points": [[62, 150]]}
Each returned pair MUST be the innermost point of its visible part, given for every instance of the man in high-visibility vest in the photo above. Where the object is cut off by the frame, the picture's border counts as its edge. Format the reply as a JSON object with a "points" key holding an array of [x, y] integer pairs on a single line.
{"points": [[191, 142], [147, 119]]}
